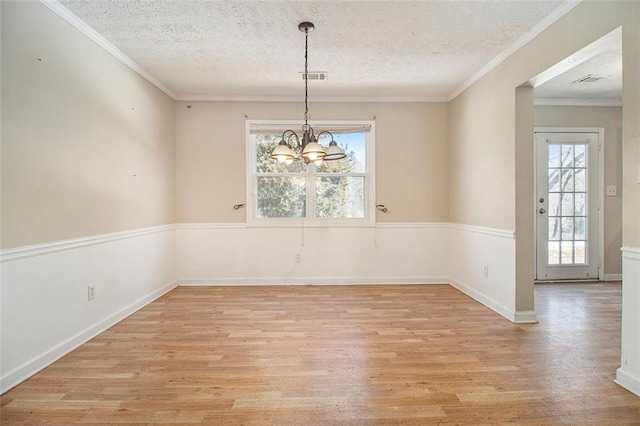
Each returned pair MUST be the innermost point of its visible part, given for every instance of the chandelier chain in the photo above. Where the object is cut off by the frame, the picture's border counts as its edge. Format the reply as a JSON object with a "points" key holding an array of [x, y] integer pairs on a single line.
{"points": [[306, 75], [306, 147]]}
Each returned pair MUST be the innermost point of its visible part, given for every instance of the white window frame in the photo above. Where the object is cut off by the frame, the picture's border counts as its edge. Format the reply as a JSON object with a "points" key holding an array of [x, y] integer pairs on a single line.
{"points": [[309, 219]]}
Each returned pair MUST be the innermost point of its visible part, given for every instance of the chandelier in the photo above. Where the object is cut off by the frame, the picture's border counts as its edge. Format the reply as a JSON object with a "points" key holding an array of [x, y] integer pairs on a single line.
{"points": [[306, 148]]}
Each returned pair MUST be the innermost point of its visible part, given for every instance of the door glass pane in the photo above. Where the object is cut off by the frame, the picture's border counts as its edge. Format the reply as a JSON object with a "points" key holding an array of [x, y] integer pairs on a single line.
{"points": [[580, 232], [554, 155], [580, 256], [567, 155], [580, 180], [567, 228], [580, 206], [567, 204], [566, 252], [554, 229], [554, 204], [567, 180], [580, 156], [554, 253], [554, 180]]}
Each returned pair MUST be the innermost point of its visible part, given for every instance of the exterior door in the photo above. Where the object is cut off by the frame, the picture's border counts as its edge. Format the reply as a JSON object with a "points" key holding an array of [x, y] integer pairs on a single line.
{"points": [[567, 206]]}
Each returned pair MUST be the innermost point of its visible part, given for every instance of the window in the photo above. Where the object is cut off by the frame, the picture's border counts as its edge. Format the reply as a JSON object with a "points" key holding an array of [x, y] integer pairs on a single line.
{"points": [[333, 193]]}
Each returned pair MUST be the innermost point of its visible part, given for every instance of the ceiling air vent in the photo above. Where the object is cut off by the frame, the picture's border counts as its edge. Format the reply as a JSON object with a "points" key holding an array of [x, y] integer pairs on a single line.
{"points": [[588, 79], [315, 75]]}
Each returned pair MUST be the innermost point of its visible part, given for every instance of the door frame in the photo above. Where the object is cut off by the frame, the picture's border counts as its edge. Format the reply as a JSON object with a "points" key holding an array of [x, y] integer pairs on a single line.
{"points": [[601, 188]]}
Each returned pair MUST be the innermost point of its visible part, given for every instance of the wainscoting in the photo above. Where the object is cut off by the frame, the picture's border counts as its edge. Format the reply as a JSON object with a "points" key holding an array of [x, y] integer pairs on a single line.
{"points": [[227, 254], [628, 375], [394, 253], [482, 265], [45, 308]]}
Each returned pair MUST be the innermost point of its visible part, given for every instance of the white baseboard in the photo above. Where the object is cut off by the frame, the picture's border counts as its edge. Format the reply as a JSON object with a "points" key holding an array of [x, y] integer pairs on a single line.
{"points": [[41, 361], [487, 301], [612, 277], [628, 381], [526, 317], [308, 281]]}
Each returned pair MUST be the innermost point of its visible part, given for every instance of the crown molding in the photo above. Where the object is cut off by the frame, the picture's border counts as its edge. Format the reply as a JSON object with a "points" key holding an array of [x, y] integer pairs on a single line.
{"points": [[334, 99], [85, 29], [565, 8], [577, 102]]}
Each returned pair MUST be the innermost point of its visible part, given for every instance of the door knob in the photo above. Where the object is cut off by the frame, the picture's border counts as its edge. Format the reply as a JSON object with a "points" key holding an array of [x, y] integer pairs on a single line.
{"points": [[542, 211]]}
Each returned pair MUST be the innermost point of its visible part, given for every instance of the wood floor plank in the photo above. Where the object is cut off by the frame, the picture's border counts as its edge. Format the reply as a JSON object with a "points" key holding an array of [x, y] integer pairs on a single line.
{"points": [[341, 355]]}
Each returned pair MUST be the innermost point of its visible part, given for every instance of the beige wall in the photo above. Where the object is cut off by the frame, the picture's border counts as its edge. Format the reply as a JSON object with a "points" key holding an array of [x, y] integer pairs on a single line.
{"points": [[609, 118], [87, 144], [411, 155], [482, 119], [483, 161]]}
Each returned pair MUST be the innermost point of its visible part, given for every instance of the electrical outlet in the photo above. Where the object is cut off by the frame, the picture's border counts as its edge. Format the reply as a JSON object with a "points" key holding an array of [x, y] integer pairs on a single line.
{"points": [[298, 258], [91, 292], [485, 271], [612, 191]]}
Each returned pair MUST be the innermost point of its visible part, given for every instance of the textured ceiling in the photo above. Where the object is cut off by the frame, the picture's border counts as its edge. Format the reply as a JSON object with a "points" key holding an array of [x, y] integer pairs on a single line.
{"points": [[606, 68], [249, 48]]}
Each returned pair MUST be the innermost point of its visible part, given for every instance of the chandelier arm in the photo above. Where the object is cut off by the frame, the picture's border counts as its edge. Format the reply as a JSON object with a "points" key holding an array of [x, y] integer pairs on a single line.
{"points": [[323, 132], [287, 139]]}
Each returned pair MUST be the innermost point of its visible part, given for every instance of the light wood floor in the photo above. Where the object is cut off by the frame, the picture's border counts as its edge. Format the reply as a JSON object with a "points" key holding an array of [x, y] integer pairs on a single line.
{"points": [[341, 355]]}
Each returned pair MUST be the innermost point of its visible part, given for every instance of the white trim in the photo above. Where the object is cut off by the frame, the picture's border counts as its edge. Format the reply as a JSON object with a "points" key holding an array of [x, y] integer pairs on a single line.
{"points": [[211, 225], [627, 381], [577, 102], [412, 225], [379, 225], [308, 223], [24, 252], [252, 281], [46, 358], [565, 8], [612, 277], [486, 301], [631, 253], [85, 29], [526, 317], [316, 99], [503, 233]]}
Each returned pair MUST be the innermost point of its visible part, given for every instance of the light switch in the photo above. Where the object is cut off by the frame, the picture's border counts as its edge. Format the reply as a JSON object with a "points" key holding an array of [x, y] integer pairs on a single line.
{"points": [[612, 191]]}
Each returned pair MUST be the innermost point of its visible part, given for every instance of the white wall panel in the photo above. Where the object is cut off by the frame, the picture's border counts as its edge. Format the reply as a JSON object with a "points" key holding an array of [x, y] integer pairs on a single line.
{"points": [[236, 254], [472, 249], [628, 375], [45, 309]]}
